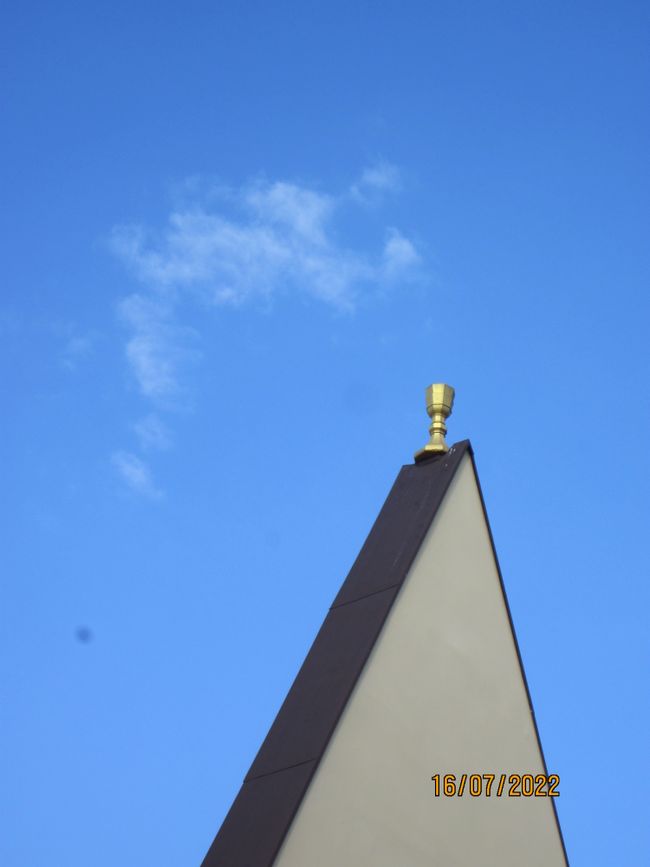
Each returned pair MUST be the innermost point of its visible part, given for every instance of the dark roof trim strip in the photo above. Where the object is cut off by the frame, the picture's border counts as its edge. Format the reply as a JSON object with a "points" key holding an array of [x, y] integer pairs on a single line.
{"points": [[258, 821]]}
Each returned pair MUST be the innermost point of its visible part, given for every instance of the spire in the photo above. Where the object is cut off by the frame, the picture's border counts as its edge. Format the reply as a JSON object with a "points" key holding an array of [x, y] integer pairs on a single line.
{"points": [[414, 675]]}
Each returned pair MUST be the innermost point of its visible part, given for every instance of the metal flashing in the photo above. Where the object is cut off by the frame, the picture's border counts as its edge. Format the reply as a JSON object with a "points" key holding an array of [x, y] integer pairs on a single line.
{"points": [[275, 785]]}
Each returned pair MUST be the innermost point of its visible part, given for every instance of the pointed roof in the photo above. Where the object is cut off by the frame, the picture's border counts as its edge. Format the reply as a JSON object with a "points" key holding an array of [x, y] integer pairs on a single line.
{"points": [[279, 778]]}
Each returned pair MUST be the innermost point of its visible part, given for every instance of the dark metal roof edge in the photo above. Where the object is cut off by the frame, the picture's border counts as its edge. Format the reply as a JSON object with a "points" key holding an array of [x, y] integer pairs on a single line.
{"points": [[384, 601], [413, 534], [238, 814]]}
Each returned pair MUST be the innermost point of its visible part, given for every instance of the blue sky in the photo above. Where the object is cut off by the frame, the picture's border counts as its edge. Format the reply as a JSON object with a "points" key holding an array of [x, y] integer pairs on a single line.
{"points": [[242, 239]]}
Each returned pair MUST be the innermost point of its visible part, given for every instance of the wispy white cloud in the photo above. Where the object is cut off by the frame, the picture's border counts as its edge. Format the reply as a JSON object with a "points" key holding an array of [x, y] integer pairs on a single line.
{"points": [[152, 433], [280, 238], [399, 254], [135, 474], [76, 348], [379, 178], [157, 346], [233, 247], [282, 246], [298, 211]]}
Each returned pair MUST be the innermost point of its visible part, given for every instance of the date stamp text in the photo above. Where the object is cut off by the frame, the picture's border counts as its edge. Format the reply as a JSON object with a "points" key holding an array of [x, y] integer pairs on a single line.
{"points": [[496, 785]]}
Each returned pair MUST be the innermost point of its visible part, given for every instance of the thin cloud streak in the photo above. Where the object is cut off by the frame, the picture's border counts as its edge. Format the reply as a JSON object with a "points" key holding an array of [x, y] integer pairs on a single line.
{"points": [[280, 239], [250, 245], [377, 179], [76, 349], [135, 473], [157, 346], [152, 433], [399, 254]]}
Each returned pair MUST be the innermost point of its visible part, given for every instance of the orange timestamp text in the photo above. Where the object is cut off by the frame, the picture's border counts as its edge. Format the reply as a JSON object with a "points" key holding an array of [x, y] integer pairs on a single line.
{"points": [[496, 785]]}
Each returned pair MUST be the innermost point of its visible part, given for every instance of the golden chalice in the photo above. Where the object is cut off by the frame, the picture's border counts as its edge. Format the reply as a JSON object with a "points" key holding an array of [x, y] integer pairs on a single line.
{"points": [[440, 399]]}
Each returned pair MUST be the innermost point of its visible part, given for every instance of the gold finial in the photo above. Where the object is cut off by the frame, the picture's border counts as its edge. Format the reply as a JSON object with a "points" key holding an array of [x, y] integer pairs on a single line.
{"points": [[440, 399]]}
